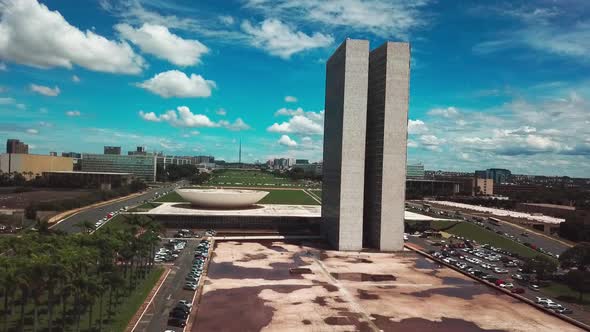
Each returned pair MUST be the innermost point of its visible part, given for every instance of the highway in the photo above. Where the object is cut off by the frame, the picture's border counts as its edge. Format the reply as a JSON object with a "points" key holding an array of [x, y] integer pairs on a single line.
{"points": [[549, 244], [72, 224]]}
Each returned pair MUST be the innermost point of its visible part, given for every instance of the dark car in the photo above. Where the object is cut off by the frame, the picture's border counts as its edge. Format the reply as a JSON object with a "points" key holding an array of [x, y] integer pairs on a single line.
{"points": [[517, 290], [178, 314], [176, 322], [181, 308]]}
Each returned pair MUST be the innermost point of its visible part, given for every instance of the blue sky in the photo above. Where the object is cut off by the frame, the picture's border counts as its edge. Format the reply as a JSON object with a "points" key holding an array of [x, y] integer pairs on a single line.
{"points": [[493, 84]]}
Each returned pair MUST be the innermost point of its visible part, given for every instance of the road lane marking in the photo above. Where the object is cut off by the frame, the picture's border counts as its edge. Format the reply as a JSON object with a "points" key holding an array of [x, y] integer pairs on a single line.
{"points": [[150, 302]]}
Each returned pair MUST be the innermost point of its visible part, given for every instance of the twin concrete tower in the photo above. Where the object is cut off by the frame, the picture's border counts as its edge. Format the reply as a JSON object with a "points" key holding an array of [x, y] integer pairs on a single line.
{"points": [[365, 136]]}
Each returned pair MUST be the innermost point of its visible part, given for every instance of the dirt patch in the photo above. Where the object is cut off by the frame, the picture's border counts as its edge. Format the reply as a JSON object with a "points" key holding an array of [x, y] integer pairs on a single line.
{"points": [[426, 264], [251, 257], [221, 304], [353, 276], [366, 295], [320, 300], [465, 293], [306, 322]]}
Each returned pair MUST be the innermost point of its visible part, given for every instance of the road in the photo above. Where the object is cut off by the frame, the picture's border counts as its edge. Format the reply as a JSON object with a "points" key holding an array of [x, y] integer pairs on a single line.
{"points": [[156, 316], [549, 244], [71, 224]]}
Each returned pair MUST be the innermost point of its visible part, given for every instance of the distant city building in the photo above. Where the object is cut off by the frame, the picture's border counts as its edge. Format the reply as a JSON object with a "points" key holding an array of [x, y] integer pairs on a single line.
{"points": [[16, 146], [165, 161], [139, 151], [415, 171], [52, 153], [75, 155], [301, 161], [33, 165], [483, 187], [204, 160], [112, 150], [102, 180], [143, 167], [313, 169], [280, 163], [499, 175]]}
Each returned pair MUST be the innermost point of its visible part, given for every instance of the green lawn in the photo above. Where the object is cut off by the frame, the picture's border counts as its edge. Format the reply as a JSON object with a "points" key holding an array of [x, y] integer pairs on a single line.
{"points": [[118, 222], [482, 235], [250, 179], [144, 207], [171, 197], [132, 303], [296, 197]]}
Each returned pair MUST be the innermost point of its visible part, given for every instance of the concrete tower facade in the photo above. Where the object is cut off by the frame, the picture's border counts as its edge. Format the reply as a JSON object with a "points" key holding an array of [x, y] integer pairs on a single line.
{"points": [[344, 144], [385, 162], [365, 136]]}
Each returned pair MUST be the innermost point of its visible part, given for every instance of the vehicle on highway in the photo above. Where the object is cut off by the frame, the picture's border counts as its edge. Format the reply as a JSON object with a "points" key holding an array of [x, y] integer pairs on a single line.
{"points": [[517, 290], [534, 287], [507, 285]]}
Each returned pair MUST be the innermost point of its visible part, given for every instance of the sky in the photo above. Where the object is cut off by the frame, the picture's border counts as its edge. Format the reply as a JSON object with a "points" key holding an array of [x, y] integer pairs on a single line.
{"points": [[493, 83]]}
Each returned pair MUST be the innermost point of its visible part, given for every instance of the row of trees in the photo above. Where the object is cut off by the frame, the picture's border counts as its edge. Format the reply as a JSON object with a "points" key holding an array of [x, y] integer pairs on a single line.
{"points": [[59, 282], [176, 172]]}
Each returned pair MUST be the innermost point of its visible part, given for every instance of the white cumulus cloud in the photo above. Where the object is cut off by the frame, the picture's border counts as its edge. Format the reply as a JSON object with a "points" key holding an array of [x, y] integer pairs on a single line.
{"points": [[45, 90], [159, 41], [32, 131], [290, 99], [31, 34], [181, 117], [448, 112], [174, 83], [281, 40], [287, 141], [75, 79], [73, 113], [237, 125], [417, 127]]}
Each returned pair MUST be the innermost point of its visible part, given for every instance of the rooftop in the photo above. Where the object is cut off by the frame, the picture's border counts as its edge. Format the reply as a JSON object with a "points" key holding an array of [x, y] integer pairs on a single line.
{"points": [[554, 206], [251, 282], [186, 209]]}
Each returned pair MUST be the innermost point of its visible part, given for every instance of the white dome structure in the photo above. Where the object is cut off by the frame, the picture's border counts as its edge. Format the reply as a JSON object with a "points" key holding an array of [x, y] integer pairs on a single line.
{"points": [[222, 198]]}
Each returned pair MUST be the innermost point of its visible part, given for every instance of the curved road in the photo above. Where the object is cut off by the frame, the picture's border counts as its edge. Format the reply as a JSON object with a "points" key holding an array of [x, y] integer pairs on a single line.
{"points": [[71, 224]]}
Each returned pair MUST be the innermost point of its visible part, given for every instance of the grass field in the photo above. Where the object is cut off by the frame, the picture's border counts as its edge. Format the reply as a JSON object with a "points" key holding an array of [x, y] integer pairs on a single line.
{"points": [[144, 206], [132, 303], [275, 196], [171, 197], [296, 197], [251, 179], [481, 235]]}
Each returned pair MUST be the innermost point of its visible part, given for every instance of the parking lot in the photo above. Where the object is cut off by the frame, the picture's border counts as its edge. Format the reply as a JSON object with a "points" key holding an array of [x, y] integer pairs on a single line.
{"points": [[505, 272], [183, 284]]}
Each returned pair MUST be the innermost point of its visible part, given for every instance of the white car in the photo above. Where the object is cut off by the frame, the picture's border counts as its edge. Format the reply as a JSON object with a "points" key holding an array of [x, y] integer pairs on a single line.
{"points": [[507, 285]]}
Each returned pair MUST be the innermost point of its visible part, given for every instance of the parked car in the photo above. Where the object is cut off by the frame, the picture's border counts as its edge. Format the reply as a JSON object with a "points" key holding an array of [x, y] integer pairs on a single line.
{"points": [[517, 290], [173, 321]]}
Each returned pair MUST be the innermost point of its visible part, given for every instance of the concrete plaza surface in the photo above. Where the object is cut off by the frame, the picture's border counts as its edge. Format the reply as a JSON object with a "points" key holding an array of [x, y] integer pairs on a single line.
{"points": [[249, 287], [185, 209]]}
